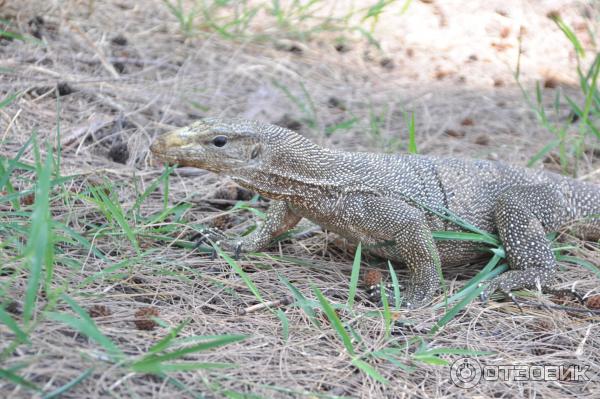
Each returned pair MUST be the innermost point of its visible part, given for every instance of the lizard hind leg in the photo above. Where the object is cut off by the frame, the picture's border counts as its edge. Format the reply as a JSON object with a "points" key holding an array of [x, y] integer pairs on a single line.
{"points": [[523, 215]]}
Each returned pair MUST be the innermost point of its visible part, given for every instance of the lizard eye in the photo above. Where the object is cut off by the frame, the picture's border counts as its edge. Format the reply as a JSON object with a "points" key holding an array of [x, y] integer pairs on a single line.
{"points": [[219, 141]]}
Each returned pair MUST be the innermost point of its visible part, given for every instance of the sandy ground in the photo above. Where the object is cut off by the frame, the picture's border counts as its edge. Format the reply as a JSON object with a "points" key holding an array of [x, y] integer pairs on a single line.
{"points": [[126, 73]]}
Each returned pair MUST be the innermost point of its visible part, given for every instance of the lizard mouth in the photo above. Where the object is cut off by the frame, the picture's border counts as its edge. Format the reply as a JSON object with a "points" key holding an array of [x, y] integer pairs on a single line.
{"points": [[175, 147], [165, 159], [173, 156]]}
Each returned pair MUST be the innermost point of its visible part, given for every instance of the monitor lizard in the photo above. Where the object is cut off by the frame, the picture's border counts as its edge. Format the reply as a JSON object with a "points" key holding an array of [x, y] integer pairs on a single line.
{"points": [[391, 202]]}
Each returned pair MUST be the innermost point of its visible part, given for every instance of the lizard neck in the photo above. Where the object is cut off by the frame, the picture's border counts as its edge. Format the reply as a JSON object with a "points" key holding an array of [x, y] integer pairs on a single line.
{"points": [[293, 169]]}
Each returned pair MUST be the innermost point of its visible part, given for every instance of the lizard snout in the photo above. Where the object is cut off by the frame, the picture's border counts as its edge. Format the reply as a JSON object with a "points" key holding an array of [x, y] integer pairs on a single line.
{"points": [[167, 142], [179, 147], [165, 147], [157, 146]]}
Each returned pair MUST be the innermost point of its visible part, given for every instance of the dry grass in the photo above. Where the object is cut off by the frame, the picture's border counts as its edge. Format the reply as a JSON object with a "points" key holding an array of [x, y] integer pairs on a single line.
{"points": [[450, 64]]}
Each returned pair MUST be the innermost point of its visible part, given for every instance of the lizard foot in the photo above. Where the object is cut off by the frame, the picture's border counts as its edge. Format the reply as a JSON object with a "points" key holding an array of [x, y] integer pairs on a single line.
{"points": [[375, 295], [208, 235], [215, 236], [564, 292], [500, 283], [519, 279], [409, 300], [492, 287]]}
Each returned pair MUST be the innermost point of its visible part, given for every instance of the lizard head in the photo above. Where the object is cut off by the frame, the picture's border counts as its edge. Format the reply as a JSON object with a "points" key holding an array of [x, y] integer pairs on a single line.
{"points": [[212, 144]]}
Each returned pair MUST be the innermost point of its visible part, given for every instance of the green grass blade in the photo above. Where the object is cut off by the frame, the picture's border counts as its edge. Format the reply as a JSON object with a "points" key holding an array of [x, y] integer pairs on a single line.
{"points": [[568, 32], [311, 105], [59, 391], [5, 176], [18, 36], [240, 272], [17, 380], [584, 118], [488, 272], [57, 140], [458, 351], [354, 276], [164, 179], [9, 100], [541, 154], [117, 213], [86, 326], [88, 329], [40, 246], [13, 326], [285, 325], [166, 341], [158, 368], [432, 360], [155, 362], [84, 242], [307, 107], [334, 320], [447, 214], [301, 301], [581, 262], [390, 358], [387, 314], [405, 7], [117, 266], [464, 236], [450, 314], [396, 286], [367, 35], [375, 10], [369, 370], [412, 141], [344, 125], [13, 164], [203, 346], [593, 89], [431, 356], [177, 211], [181, 386]]}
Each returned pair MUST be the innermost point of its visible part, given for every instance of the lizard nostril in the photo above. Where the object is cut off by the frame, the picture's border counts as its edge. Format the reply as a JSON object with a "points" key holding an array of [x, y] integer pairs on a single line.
{"points": [[157, 145]]}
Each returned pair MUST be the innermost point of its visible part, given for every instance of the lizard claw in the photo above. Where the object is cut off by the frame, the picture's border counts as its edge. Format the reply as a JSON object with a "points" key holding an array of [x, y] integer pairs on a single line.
{"points": [[496, 284], [514, 300], [565, 292], [213, 253], [198, 239], [374, 293], [408, 300], [484, 296], [214, 237], [238, 250], [491, 288], [207, 235]]}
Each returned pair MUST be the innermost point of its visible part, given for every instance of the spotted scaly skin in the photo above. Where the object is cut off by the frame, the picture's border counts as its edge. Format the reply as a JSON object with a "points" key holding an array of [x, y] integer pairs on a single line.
{"points": [[391, 203]]}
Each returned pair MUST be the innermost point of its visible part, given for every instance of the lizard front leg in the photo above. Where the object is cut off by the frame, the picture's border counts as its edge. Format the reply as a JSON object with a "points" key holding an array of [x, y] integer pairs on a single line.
{"points": [[279, 219], [416, 249]]}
